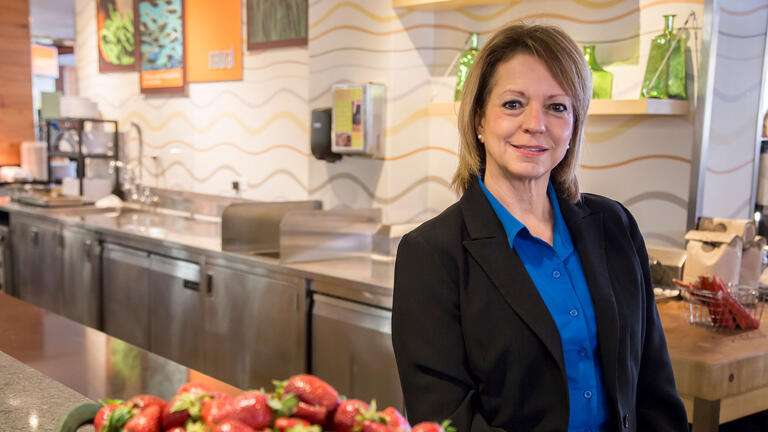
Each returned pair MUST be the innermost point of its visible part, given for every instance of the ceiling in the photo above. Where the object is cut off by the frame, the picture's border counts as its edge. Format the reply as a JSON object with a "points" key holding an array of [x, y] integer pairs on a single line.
{"points": [[54, 19]]}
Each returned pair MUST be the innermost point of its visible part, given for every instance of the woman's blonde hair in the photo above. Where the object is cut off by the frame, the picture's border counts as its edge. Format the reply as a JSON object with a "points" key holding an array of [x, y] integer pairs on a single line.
{"points": [[565, 62]]}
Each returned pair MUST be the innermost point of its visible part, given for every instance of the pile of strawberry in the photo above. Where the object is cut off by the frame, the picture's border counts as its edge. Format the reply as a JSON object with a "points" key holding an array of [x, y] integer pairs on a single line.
{"points": [[724, 310], [303, 403]]}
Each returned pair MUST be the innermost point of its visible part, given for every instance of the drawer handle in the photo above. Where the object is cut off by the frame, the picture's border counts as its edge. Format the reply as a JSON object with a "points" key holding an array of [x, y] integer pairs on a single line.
{"points": [[191, 285]]}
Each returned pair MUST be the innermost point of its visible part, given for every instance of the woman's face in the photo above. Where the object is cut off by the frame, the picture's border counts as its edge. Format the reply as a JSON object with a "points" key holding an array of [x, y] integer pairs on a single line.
{"points": [[528, 121]]}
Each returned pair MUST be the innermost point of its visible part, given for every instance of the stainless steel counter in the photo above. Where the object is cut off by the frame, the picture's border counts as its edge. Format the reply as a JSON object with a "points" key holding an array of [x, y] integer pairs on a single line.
{"points": [[184, 238]]}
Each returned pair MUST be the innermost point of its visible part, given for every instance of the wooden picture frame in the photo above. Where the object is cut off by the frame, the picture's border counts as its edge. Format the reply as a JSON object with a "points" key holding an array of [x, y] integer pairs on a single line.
{"points": [[115, 28], [162, 46], [276, 23]]}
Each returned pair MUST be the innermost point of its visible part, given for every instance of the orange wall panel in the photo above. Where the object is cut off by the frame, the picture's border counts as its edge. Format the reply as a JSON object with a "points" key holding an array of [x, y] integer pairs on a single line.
{"points": [[214, 40]]}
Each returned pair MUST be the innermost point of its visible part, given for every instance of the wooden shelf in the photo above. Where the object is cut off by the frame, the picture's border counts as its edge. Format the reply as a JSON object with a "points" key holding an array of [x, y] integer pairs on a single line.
{"points": [[638, 107], [599, 107], [442, 4]]}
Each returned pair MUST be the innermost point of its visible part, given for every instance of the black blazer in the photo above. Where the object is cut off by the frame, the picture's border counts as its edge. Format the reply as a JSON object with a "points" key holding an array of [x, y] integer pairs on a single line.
{"points": [[475, 343]]}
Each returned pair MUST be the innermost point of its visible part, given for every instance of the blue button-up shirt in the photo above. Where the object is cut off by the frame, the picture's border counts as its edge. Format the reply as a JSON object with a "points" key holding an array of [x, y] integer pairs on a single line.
{"points": [[556, 271]]}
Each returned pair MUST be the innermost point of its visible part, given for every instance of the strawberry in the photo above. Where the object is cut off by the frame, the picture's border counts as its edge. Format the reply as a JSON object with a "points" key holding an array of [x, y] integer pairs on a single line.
{"points": [[103, 415], [175, 429], [175, 413], [143, 401], [395, 419], [113, 416], [282, 424], [215, 411], [434, 427], [313, 391], [374, 426], [232, 426], [314, 414], [346, 417], [252, 409], [194, 388], [145, 421]]}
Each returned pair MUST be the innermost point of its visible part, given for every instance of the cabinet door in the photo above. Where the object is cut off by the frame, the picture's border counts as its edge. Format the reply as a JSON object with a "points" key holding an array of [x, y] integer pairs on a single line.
{"points": [[352, 350], [37, 261], [255, 325], [125, 277], [80, 291], [175, 310]]}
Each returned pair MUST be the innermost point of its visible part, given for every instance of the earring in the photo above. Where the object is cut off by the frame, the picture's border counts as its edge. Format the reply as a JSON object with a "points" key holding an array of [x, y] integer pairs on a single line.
{"points": [[480, 137]]}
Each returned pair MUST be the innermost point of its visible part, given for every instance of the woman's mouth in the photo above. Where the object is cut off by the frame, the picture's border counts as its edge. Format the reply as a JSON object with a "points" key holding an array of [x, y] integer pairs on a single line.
{"points": [[529, 149]]}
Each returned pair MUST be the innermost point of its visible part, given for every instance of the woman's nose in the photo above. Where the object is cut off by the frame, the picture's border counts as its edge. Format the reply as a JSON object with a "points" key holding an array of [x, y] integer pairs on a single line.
{"points": [[533, 119]]}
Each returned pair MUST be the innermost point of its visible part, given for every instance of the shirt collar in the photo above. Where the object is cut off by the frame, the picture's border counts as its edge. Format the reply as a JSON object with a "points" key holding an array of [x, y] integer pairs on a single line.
{"points": [[512, 226]]}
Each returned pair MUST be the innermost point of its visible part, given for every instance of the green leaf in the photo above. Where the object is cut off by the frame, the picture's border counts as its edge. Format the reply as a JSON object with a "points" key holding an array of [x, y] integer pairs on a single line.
{"points": [[190, 402], [118, 418], [279, 387], [446, 425], [302, 428], [111, 402], [196, 426], [285, 406]]}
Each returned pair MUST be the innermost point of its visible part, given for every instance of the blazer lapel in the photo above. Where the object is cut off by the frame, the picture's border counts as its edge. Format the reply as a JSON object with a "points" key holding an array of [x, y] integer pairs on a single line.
{"points": [[489, 246], [588, 237]]}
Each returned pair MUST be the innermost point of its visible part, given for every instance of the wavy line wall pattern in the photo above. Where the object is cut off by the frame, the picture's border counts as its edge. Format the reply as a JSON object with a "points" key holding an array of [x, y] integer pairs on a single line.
{"points": [[257, 130]]}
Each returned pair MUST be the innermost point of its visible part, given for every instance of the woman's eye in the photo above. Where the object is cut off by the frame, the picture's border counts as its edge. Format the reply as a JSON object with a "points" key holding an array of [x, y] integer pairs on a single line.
{"points": [[558, 107], [513, 104]]}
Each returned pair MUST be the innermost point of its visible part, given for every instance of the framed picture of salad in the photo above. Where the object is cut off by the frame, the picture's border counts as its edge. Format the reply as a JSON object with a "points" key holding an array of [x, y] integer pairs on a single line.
{"points": [[276, 23], [116, 35], [161, 41]]}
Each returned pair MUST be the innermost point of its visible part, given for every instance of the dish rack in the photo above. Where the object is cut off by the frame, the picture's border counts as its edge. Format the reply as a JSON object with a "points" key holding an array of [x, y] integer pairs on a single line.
{"points": [[719, 310]]}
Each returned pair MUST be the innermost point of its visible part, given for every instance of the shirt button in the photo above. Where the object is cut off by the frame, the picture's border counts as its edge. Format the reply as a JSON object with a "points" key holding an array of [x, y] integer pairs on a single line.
{"points": [[583, 352], [574, 313], [556, 274], [588, 394]]}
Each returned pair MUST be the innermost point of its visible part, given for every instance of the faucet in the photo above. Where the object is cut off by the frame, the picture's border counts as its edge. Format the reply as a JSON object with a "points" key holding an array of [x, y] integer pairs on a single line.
{"points": [[132, 177]]}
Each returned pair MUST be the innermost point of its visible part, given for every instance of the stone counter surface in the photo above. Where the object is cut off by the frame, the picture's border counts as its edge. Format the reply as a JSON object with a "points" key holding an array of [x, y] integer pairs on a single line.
{"points": [[31, 401]]}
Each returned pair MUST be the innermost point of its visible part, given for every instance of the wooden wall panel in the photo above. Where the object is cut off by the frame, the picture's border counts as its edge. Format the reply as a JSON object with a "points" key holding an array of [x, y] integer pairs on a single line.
{"points": [[16, 115]]}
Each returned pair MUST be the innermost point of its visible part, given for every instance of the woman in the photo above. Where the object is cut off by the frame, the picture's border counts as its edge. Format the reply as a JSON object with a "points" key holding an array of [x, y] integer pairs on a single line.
{"points": [[528, 306]]}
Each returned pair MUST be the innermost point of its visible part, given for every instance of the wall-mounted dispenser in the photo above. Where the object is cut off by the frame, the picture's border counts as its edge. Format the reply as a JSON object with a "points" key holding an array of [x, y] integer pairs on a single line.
{"points": [[358, 119], [320, 136]]}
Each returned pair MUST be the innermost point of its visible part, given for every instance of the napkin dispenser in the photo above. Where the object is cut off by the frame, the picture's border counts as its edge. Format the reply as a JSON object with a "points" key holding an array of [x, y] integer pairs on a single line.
{"points": [[357, 119]]}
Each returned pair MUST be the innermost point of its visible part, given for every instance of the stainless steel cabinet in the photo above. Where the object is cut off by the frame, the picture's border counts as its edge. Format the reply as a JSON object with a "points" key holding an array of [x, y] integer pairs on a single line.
{"points": [[255, 326], [352, 350], [80, 289], [126, 293], [36, 247], [175, 311]]}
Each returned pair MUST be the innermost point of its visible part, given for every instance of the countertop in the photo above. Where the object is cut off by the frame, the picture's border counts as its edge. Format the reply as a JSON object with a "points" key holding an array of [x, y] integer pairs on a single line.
{"points": [[49, 364], [24, 409], [203, 236]]}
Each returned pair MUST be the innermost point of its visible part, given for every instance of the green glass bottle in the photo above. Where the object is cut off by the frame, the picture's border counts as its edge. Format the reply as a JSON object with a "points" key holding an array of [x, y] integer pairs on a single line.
{"points": [[658, 88], [676, 82], [602, 80], [465, 61]]}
